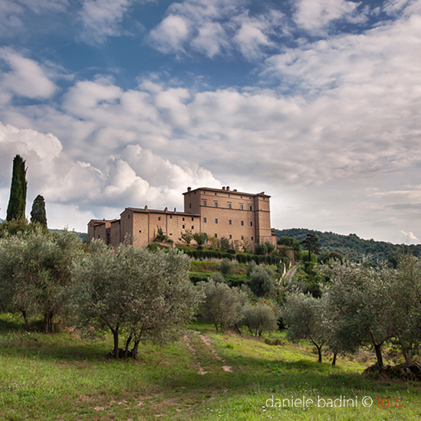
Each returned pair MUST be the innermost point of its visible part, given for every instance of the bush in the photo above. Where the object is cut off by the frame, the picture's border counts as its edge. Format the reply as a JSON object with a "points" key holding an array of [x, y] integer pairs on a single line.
{"points": [[259, 318], [261, 282], [226, 267]]}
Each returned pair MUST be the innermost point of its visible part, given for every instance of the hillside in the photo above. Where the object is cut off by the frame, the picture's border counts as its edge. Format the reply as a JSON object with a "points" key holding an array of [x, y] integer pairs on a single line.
{"points": [[83, 235], [351, 245]]}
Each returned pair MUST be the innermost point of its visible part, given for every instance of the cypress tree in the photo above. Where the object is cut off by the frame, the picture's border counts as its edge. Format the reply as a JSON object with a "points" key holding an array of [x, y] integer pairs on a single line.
{"points": [[17, 201], [38, 213]]}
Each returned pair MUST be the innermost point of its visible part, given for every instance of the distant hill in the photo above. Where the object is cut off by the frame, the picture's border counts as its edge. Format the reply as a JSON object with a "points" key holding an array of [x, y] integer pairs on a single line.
{"points": [[82, 235], [351, 245]]}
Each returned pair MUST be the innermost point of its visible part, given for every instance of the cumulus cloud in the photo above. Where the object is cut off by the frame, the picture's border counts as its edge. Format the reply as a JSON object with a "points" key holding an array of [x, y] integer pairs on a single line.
{"points": [[24, 77], [215, 28], [135, 178]]}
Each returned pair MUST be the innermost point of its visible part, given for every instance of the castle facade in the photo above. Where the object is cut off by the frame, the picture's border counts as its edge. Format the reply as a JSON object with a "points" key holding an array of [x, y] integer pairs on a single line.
{"points": [[240, 217]]}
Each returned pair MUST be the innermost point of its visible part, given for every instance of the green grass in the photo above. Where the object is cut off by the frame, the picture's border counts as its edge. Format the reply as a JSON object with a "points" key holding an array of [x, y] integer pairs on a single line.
{"points": [[62, 377]]}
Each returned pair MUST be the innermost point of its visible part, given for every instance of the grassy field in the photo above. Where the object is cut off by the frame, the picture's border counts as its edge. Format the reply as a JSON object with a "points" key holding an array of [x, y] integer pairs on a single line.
{"points": [[204, 376]]}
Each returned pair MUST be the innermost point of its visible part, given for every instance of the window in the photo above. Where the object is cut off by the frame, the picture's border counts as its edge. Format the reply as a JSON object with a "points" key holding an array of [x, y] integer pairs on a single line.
{"points": [[250, 207], [159, 218], [241, 207], [184, 226], [230, 237], [128, 216], [192, 227], [192, 219], [216, 235], [229, 222], [205, 203], [216, 220], [215, 204], [170, 216], [183, 219], [229, 205], [140, 230], [251, 238], [205, 220], [190, 205], [251, 223], [242, 237], [242, 223]]}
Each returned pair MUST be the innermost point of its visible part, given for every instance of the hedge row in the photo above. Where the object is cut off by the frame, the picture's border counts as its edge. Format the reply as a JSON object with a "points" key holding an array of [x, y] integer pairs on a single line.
{"points": [[240, 257]]}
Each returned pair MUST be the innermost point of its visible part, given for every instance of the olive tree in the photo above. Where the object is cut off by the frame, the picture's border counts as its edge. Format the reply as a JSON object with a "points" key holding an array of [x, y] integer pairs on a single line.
{"points": [[222, 305], [358, 306], [303, 316], [35, 272], [259, 318], [261, 282], [405, 300], [145, 294]]}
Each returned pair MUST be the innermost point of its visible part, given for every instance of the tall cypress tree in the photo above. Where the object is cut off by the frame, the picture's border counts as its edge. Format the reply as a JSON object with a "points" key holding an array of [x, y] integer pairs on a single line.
{"points": [[38, 213], [17, 201]]}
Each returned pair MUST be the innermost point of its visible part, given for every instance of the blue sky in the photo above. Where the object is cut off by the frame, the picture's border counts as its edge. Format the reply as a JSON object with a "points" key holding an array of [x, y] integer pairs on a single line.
{"points": [[117, 103]]}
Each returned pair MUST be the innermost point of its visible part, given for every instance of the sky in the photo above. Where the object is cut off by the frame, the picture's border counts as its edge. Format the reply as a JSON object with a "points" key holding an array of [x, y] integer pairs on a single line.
{"points": [[126, 103]]}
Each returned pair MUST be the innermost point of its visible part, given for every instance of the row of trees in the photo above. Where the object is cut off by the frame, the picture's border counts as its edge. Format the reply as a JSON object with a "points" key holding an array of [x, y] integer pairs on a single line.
{"points": [[361, 305], [131, 292], [17, 201]]}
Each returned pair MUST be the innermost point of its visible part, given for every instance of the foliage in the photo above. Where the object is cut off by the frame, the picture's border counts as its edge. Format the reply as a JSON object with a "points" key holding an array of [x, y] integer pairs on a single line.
{"points": [[200, 238], [303, 315], [311, 243], [226, 267], [259, 318], [149, 295], [222, 305], [187, 236], [160, 237], [261, 282], [35, 272], [38, 213], [224, 243], [358, 306], [353, 247], [17, 200]]}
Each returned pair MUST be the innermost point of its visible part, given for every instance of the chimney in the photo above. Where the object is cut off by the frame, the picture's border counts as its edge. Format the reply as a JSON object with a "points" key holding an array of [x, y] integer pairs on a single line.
{"points": [[175, 210], [235, 190], [188, 188], [223, 187], [165, 209], [146, 208], [228, 188]]}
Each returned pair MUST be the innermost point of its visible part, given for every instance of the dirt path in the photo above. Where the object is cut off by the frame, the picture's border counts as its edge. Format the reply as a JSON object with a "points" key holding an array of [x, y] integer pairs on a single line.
{"points": [[208, 343]]}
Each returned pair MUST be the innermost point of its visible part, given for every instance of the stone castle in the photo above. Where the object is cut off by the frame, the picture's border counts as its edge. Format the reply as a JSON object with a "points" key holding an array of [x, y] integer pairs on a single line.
{"points": [[238, 216]]}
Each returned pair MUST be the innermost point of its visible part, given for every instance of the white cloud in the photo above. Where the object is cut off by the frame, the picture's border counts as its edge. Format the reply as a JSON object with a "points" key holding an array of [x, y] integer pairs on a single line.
{"points": [[171, 33], [409, 237], [215, 28], [316, 15], [13, 12], [25, 78], [102, 18]]}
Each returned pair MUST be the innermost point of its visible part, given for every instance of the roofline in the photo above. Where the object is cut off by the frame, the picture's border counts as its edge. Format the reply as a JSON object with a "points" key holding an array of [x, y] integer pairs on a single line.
{"points": [[224, 190]]}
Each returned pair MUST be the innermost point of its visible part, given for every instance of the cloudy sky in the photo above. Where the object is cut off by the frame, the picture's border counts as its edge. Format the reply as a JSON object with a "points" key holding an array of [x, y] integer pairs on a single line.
{"points": [[117, 103]]}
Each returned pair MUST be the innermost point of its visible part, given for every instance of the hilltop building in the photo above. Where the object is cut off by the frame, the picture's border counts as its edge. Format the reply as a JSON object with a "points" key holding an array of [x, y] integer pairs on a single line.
{"points": [[219, 213]]}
